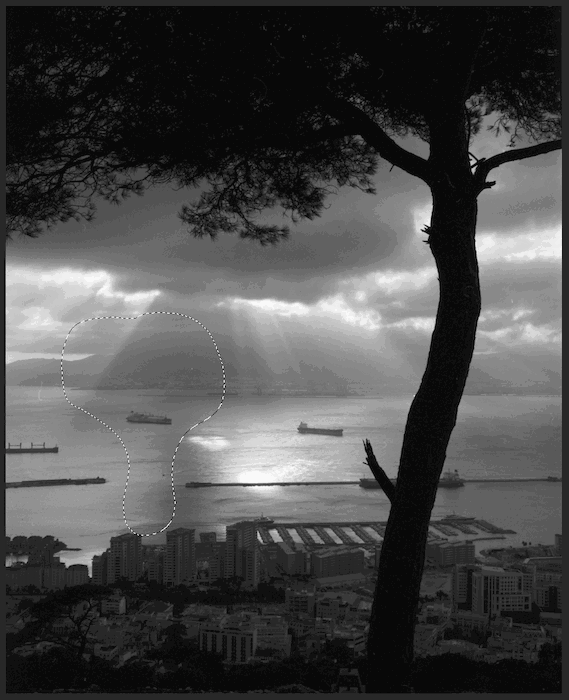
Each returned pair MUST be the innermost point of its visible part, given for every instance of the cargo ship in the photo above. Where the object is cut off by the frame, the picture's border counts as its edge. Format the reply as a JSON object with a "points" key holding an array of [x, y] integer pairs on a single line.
{"points": [[303, 428], [198, 484], [15, 449], [264, 520], [54, 482], [147, 418], [449, 480]]}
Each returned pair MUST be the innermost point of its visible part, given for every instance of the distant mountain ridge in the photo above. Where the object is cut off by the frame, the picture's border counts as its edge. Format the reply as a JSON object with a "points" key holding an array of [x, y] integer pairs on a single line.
{"points": [[138, 364]]}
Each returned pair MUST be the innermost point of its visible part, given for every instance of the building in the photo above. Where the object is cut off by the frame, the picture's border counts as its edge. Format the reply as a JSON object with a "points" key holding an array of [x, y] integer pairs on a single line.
{"points": [[462, 585], [125, 558], [468, 621], [495, 590], [451, 553], [242, 554], [548, 597], [377, 555], [272, 633], [180, 559], [291, 561], [114, 605], [300, 602], [99, 568], [53, 577], [337, 561], [153, 564], [216, 562], [208, 537], [21, 576], [77, 575], [333, 608], [236, 642]]}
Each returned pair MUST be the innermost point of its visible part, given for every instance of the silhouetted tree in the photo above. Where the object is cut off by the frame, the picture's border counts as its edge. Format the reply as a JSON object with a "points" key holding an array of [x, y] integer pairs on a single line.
{"points": [[273, 107]]}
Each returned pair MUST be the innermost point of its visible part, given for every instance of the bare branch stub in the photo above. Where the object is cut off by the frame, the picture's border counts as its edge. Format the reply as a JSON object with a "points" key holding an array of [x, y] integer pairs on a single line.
{"points": [[380, 476]]}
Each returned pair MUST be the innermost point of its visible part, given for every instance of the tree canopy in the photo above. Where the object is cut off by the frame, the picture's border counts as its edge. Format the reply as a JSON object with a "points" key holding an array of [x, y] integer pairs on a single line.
{"points": [[259, 106]]}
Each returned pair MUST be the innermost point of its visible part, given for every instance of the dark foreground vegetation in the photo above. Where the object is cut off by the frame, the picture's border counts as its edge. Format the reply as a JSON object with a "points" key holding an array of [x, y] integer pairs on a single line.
{"points": [[184, 667]]}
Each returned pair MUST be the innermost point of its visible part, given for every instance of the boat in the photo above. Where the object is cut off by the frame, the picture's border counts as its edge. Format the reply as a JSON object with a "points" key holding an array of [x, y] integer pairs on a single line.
{"points": [[15, 449], [264, 520], [303, 428], [463, 518], [370, 484], [553, 478], [448, 480], [147, 418]]}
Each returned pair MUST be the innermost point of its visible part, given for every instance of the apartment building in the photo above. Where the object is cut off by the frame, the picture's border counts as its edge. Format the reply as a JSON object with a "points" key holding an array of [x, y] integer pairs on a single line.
{"points": [[180, 559], [242, 555], [462, 585], [77, 575], [337, 561], [99, 568], [292, 561], [124, 559], [300, 601], [495, 590], [237, 643], [451, 553]]}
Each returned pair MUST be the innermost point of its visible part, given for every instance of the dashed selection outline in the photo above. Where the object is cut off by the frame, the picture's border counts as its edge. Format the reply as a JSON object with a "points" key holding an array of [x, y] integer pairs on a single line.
{"points": [[133, 318]]}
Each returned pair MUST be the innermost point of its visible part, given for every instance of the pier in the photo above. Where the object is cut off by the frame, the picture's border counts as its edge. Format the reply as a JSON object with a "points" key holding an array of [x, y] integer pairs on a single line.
{"points": [[368, 534], [54, 482], [17, 449], [209, 484]]}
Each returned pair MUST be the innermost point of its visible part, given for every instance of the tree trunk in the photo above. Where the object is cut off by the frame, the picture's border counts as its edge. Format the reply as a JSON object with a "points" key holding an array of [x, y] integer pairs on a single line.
{"points": [[430, 422]]}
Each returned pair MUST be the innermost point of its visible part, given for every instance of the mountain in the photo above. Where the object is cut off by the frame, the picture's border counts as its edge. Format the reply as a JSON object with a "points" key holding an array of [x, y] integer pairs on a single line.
{"points": [[148, 360], [82, 373]]}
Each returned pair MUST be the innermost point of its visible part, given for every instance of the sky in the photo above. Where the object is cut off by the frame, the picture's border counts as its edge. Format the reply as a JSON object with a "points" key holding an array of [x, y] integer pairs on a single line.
{"points": [[359, 277]]}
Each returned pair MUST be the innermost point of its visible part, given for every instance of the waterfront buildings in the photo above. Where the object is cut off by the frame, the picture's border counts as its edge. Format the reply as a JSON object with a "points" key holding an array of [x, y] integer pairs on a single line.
{"points": [[451, 553], [53, 577], [124, 560], [180, 559], [292, 561], [336, 561]]}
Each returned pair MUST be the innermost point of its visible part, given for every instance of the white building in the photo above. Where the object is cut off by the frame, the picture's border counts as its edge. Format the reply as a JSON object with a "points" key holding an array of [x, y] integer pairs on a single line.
{"points": [[495, 590]]}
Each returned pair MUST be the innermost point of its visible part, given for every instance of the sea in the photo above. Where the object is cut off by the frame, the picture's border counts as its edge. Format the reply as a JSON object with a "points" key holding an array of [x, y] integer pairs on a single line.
{"points": [[255, 439]]}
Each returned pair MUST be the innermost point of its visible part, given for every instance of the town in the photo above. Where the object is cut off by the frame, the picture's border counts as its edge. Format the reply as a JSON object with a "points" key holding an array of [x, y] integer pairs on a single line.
{"points": [[249, 600]]}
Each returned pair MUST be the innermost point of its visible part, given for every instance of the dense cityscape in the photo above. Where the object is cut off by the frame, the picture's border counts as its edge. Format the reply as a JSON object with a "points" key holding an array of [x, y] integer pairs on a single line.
{"points": [[244, 602]]}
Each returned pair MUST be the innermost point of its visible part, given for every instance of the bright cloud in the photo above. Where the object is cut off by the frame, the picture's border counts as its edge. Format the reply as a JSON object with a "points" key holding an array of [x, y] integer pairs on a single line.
{"points": [[534, 245], [42, 304]]}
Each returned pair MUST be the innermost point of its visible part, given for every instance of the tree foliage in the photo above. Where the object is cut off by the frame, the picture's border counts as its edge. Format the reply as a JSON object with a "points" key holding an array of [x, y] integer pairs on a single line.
{"points": [[278, 117]]}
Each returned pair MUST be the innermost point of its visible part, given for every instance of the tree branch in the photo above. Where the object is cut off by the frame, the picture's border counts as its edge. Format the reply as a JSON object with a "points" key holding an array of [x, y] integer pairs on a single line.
{"points": [[353, 118], [380, 476], [485, 166]]}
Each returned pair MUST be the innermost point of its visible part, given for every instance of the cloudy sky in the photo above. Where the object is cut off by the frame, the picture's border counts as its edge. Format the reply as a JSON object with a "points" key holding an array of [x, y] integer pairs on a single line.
{"points": [[359, 276]]}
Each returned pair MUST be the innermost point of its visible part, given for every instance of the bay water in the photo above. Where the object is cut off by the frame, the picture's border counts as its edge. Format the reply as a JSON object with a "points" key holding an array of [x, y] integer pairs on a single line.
{"points": [[254, 439]]}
